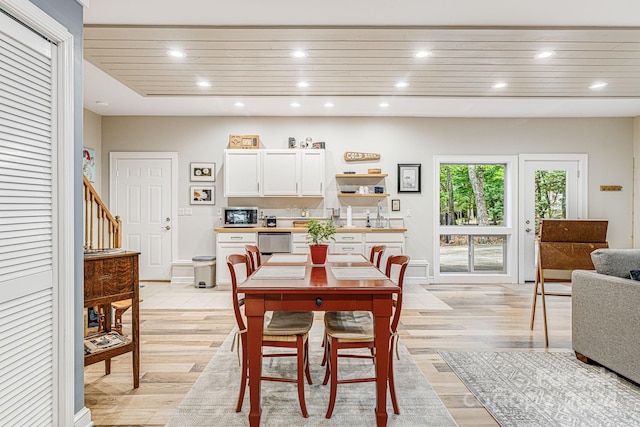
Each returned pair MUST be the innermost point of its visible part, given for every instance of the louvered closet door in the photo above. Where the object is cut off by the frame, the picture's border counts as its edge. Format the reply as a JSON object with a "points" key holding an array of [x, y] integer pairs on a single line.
{"points": [[26, 233]]}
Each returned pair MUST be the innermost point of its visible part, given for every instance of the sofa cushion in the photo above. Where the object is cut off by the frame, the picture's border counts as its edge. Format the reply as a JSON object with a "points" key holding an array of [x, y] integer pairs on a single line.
{"points": [[616, 262]]}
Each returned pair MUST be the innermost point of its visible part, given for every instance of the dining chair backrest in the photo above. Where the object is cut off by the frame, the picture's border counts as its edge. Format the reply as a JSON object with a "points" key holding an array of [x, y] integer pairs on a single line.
{"points": [[233, 261], [396, 267], [376, 255], [255, 259]]}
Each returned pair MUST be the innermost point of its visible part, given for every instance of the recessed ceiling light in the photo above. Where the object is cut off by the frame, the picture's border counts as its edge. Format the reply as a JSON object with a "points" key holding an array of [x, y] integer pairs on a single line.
{"points": [[203, 83], [422, 54], [102, 103], [176, 53], [239, 104], [544, 54], [402, 84], [295, 104], [500, 85], [299, 53], [328, 104], [598, 85], [302, 84], [383, 104]]}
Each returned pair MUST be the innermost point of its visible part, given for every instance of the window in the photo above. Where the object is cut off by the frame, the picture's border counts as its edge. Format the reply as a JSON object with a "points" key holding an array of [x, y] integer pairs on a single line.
{"points": [[475, 206]]}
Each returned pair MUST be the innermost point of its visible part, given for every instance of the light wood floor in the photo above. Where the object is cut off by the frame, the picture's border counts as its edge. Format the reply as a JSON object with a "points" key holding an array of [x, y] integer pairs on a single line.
{"points": [[177, 344]]}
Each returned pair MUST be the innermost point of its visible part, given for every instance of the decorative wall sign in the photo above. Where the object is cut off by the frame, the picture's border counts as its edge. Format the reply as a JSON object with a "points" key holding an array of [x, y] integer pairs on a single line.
{"points": [[354, 156], [202, 195], [409, 178], [611, 188], [203, 172]]}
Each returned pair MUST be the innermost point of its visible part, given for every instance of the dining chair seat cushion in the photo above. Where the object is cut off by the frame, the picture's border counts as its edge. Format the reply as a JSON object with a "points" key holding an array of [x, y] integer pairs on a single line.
{"points": [[349, 326], [288, 323]]}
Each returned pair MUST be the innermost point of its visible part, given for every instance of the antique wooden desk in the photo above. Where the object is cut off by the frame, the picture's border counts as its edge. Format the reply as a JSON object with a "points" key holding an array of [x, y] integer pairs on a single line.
{"points": [[319, 290], [110, 277]]}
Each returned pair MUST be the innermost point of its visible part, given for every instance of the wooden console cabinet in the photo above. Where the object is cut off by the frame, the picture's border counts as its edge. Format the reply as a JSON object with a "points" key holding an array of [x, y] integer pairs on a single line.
{"points": [[110, 277]]}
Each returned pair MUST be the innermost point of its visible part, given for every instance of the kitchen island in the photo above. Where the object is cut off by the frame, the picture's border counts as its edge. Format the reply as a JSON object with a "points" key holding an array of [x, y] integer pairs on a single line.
{"points": [[354, 240]]}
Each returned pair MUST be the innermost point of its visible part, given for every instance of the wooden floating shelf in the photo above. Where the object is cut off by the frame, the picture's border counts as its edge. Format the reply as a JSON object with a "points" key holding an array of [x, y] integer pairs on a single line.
{"points": [[361, 175], [363, 195]]}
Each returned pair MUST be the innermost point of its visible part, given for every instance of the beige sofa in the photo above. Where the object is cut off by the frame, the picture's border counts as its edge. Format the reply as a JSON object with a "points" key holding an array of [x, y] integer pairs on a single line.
{"points": [[606, 312]]}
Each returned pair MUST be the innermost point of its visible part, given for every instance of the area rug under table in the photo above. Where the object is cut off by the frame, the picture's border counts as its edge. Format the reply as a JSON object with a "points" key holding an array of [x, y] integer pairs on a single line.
{"points": [[546, 389], [212, 400]]}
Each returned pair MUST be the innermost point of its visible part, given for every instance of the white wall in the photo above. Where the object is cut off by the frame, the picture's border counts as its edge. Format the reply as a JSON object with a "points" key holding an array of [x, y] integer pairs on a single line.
{"points": [[608, 142]]}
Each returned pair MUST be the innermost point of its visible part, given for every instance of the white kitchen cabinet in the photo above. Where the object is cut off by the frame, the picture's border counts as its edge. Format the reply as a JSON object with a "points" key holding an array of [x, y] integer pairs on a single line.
{"points": [[280, 173], [312, 173], [394, 243], [347, 243], [274, 173], [242, 173], [299, 243], [227, 244]]}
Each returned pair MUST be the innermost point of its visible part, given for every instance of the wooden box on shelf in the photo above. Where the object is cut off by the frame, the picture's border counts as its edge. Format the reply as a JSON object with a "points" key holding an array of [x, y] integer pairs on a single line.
{"points": [[251, 142]]}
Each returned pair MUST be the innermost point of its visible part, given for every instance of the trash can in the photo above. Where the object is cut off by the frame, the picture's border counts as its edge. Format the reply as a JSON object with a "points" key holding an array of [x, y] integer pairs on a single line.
{"points": [[204, 271]]}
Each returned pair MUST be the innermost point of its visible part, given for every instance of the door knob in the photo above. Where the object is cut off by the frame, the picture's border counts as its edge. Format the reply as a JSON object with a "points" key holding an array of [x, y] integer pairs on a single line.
{"points": [[168, 227], [528, 230]]}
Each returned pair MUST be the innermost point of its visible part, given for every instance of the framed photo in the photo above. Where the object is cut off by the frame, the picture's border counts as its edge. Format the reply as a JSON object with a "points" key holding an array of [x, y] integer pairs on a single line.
{"points": [[409, 178], [203, 172], [395, 205], [202, 195], [319, 145]]}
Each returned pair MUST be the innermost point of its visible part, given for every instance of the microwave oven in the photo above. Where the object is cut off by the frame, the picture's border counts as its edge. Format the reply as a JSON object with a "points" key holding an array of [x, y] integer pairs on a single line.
{"points": [[240, 217]]}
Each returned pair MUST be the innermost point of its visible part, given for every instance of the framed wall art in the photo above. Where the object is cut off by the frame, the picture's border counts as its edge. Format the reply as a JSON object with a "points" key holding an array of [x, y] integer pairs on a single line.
{"points": [[409, 178], [202, 195], [203, 172], [89, 163], [395, 205]]}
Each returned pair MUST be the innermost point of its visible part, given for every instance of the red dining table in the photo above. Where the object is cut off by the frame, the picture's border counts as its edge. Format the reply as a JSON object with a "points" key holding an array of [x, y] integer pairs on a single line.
{"points": [[318, 290]]}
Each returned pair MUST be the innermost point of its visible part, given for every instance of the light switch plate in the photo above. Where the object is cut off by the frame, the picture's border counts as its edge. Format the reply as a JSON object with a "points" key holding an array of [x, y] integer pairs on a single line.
{"points": [[180, 212], [188, 211]]}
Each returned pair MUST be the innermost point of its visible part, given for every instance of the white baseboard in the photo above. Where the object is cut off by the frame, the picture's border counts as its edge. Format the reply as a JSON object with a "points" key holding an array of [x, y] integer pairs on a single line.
{"points": [[182, 273], [83, 418], [417, 272]]}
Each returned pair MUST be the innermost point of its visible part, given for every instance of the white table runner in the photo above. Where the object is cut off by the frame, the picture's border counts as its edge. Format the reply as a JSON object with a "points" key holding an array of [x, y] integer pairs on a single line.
{"points": [[287, 259], [346, 258], [280, 272], [357, 273]]}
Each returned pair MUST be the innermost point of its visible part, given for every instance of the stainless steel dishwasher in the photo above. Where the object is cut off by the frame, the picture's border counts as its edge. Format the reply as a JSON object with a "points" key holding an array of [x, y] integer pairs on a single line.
{"points": [[274, 242]]}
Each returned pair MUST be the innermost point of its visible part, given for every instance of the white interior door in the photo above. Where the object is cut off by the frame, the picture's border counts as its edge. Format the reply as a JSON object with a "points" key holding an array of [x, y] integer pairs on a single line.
{"points": [[551, 187], [142, 195]]}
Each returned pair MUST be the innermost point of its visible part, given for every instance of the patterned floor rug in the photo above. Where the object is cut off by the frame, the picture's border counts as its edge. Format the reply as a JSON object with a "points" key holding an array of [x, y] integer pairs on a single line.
{"points": [[546, 389], [212, 400]]}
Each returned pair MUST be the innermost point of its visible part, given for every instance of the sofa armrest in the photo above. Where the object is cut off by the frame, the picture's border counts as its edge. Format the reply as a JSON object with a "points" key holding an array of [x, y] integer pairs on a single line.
{"points": [[606, 321]]}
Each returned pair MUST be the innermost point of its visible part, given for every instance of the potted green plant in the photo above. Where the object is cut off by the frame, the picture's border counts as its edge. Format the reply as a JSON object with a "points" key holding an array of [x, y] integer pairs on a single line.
{"points": [[319, 233]]}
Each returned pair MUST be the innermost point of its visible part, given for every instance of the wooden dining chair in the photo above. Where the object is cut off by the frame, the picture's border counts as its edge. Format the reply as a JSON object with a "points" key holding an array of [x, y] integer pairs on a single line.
{"points": [[354, 329], [285, 329], [255, 259], [376, 255]]}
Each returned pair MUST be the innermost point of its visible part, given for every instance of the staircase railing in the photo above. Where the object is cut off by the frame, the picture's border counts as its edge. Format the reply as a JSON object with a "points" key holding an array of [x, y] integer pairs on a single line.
{"points": [[102, 230]]}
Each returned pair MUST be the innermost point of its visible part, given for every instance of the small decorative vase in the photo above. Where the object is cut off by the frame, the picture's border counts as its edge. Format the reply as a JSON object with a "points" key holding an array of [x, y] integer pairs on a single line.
{"points": [[318, 254]]}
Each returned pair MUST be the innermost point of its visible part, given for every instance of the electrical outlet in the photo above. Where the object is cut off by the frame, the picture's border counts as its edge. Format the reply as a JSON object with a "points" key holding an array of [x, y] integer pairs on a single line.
{"points": [[219, 211], [408, 213], [180, 212], [188, 211]]}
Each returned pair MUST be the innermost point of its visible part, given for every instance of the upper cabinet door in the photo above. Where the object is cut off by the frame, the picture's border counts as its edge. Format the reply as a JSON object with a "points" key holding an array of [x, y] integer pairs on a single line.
{"points": [[242, 173], [312, 173], [280, 173]]}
